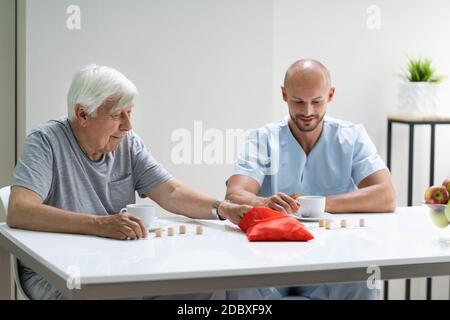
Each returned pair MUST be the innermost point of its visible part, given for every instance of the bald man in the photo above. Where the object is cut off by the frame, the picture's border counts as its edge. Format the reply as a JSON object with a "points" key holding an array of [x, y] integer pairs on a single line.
{"points": [[312, 154]]}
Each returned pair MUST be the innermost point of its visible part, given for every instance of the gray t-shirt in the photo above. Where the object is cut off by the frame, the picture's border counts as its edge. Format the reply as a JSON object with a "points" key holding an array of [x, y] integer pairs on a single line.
{"points": [[54, 166]]}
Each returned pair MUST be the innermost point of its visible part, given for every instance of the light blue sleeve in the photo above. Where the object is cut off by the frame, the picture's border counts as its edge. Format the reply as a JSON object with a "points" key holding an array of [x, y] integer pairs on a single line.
{"points": [[366, 160], [253, 160]]}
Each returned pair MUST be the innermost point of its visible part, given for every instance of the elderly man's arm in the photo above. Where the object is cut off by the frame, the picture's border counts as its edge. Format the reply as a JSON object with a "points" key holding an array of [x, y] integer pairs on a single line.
{"points": [[375, 194], [26, 211], [180, 198]]}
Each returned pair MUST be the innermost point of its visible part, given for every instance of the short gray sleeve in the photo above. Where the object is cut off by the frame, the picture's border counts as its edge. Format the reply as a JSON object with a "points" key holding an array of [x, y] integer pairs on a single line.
{"points": [[34, 168], [148, 173]]}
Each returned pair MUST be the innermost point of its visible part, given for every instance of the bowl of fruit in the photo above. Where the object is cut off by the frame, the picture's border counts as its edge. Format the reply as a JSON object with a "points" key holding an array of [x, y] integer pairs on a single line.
{"points": [[437, 199]]}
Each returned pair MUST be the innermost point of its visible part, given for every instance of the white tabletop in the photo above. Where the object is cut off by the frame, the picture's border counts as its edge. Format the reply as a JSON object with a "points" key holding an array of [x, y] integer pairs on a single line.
{"points": [[390, 239]]}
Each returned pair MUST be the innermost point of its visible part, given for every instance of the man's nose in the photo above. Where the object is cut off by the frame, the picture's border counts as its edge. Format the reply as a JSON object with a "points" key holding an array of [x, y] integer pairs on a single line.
{"points": [[308, 108], [126, 122]]}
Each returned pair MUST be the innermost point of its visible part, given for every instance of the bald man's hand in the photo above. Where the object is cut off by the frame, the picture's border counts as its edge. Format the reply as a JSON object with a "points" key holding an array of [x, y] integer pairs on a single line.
{"points": [[282, 202], [295, 195]]}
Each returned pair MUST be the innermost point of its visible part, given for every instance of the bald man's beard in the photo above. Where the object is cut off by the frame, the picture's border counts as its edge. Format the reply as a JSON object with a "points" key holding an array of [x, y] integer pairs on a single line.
{"points": [[309, 128]]}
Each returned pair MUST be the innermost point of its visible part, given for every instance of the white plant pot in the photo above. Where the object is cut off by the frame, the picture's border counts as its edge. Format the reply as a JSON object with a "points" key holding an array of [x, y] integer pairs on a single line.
{"points": [[418, 98]]}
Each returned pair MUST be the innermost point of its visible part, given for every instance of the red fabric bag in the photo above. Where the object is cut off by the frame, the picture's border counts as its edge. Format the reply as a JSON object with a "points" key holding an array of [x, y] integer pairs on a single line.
{"points": [[265, 224]]}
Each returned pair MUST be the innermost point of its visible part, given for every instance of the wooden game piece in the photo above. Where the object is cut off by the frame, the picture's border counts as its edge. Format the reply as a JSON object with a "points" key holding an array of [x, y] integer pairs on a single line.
{"points": [[158, 232], [362, 223], [170, 232], [322, 223], [182, 229], [343, 223], [328, 224], [199, 230]]}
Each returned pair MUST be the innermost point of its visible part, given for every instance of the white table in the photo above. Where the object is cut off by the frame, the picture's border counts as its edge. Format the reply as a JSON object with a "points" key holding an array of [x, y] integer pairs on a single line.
{"points": [[401, 244]]}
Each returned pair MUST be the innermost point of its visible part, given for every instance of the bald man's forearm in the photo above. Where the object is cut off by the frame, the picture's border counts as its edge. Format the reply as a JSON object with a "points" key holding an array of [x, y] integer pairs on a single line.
{"points": [[376, 198]]}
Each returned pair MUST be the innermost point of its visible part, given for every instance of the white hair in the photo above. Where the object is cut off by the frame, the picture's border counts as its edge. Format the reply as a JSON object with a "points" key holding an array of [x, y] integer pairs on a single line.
{"points": [[94, 85]]}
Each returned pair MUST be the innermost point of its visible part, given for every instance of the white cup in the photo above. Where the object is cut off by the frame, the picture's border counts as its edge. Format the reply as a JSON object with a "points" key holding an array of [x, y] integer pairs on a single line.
{"points": [[311, 206], [145, 212]]}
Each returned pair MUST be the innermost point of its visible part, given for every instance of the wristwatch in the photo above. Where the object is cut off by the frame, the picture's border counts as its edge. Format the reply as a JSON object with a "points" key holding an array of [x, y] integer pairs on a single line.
{"points": [[215, 210]]}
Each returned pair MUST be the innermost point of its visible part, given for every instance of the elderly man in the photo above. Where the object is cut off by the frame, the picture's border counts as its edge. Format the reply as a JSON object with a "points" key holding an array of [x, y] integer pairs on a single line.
{"points": [[76, 173], [310, 153]]}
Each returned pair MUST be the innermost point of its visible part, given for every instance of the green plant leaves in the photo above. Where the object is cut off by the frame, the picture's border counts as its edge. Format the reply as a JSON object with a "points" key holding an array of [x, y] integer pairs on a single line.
{"points": [[421, 70]]}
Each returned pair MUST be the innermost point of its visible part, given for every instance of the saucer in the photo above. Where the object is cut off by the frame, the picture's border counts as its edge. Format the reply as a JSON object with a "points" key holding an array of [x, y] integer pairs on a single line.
{"points": [[325, 215]]}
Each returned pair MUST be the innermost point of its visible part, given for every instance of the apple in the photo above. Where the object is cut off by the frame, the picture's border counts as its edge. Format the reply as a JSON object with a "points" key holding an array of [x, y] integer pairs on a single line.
{"points": [[446, 184], [436, 195]]}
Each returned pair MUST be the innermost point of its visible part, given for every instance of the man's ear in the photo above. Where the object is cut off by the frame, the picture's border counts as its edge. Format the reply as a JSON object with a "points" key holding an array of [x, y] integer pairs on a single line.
{"points": [[331, 94], [81, 115], [283, 93]]}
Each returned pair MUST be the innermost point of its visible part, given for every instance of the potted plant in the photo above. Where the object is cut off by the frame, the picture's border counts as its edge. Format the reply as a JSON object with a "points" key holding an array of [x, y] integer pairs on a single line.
{"points": [[419, 93]]}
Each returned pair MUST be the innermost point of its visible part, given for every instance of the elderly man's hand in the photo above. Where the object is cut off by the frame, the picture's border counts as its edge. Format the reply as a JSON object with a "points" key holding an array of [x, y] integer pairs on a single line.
{"points": [[233, 212], [120, 226]]}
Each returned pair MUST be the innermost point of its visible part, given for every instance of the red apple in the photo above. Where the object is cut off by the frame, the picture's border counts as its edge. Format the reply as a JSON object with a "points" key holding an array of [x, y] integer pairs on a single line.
{"points": [[436, 195], [446, 184]]}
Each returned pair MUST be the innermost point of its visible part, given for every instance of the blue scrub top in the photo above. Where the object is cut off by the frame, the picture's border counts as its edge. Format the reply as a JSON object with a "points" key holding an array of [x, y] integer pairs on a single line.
{"points": [[343, 156]]}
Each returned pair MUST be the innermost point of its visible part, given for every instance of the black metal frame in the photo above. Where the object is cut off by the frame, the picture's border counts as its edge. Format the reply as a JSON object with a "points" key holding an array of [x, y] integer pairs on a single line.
{"points": [[412, 123]]}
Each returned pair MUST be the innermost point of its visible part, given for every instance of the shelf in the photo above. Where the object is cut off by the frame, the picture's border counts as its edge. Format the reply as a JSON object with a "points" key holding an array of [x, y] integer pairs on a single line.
{"points": [[407, 118]]}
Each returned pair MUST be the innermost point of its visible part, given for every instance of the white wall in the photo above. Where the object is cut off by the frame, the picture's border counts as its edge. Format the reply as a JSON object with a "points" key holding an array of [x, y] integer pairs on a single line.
{"points": [[191, 60], [222, 62], [7, 104]]}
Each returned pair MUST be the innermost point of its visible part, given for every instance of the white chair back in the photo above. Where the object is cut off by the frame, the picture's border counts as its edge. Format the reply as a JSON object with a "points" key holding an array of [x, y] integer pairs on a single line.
{"points": [[4, 196]]}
